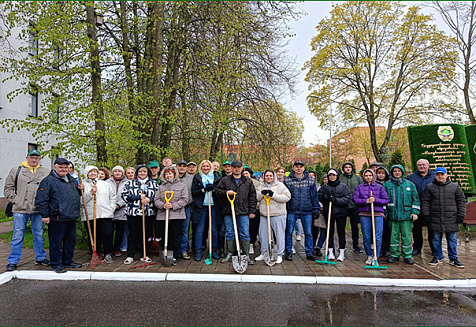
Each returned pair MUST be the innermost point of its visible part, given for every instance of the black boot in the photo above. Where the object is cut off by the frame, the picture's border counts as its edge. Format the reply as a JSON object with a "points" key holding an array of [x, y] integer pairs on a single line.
{"points": [[245, 248]]}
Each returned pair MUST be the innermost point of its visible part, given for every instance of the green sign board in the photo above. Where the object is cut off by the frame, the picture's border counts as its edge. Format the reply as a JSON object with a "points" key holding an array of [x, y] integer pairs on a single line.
{"points": [[452, 146]]}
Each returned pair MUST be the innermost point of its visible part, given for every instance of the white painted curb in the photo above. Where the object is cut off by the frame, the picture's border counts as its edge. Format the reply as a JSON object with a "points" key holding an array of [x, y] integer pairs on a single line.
{"points": [[160, 277]]}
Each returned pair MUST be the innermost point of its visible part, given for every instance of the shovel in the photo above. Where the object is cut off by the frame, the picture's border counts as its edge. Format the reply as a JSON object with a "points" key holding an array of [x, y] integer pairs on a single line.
{"points": [[325, 261], [375, 265], [95, 259], [240, 262], [167, 256], [270, 256], [208, 261], [145, 263]]}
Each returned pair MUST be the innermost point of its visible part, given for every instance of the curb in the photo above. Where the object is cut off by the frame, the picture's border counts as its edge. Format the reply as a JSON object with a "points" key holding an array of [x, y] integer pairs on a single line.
{"points": [[163, 277]]}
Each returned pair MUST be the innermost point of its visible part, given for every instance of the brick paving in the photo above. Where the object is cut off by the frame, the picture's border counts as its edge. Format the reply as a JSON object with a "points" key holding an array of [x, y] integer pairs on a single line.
{"points": [[353, 266]]}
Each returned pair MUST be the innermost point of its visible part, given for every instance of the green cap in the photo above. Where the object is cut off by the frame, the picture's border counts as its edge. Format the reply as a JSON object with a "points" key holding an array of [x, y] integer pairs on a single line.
{"points": [[228, 162], [34, 153], [153, 163]]}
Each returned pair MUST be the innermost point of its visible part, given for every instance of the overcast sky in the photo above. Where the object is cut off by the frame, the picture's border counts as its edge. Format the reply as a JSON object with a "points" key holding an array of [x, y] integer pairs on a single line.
{"points": [[299, 49]]}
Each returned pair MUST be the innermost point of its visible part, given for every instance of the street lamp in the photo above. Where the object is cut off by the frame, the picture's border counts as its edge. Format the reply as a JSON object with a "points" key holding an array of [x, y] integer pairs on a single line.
{"points": [[330, 130]]}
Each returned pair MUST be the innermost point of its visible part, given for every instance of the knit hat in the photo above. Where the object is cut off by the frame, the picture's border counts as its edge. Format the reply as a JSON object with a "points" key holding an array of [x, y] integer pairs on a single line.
{"points": [[119, 168]]}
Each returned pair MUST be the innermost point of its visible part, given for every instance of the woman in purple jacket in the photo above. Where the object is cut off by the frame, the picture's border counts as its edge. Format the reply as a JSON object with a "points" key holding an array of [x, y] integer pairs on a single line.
{"points": [[363, 199]]}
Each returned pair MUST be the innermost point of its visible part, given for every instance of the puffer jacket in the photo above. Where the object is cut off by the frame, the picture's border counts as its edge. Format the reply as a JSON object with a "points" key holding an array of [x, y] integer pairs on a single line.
{"points": [[351, 180], [105, 200], [304, 197], [179, 199], [27, 185], [421, 182], [363, 192], [277, 203], [245, 199], [132, 195], [119, 214], [340, 192], [443, 205], [58, 199], [403, 195]]}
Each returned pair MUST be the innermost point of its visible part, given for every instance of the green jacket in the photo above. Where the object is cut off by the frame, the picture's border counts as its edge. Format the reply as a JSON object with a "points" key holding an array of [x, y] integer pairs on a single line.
{"points": [[352, 181], [404, 200]]}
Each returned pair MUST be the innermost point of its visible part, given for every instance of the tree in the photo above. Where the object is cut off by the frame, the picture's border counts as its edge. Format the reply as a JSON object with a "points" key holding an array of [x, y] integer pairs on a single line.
{"points": [[460, 17], [396, 159], [380, 64]]}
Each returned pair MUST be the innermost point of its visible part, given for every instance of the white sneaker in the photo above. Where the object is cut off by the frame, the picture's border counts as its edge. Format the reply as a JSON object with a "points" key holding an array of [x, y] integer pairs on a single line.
{"points": [[331, 255], [298, 238], [341, 255], [294, 250], [260, 257], [252, 249], [128, 260], [370, 260], [279, 259], [146, 260]]}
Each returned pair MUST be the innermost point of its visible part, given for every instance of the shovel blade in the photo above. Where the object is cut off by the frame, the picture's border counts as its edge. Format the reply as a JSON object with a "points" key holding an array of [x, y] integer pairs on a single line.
{"points": [[167, 259], [270, 260], [240, 263]]}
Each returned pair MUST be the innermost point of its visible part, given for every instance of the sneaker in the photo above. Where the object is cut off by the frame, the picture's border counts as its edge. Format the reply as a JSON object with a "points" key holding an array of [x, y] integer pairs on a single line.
{"points": [[260, 257], [128, 260], [311, 257], [59, 269], [174, 262], [43, 262], [73, 265], [146, 260], [370, 260], [392, 259], [117, 253], [294, 250], [279, 259], [250, 261], [456, 263], [11, 267], [358, 249], [435, 261], [318, 252], [298, 238], [289, 256], [252, 249], [108, 259], [186, 256]]}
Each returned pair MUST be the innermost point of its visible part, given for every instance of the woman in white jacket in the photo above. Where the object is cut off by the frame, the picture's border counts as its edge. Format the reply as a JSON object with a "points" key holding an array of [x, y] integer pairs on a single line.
{"points": [[279, 194], [105, 207]]}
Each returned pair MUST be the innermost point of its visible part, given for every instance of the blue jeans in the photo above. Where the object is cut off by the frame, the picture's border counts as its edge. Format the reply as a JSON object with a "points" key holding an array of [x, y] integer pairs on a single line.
{"points": [[62, 237], [185, 230], [306, 221], [451, 241], [19, 226], [297, 228], [201, 227], [322, 238], [366, 224], [123, 246], [243, 225]]}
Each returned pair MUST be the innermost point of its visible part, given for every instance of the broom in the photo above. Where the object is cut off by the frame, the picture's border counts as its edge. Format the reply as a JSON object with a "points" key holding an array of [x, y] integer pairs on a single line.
{"points": [[95, 259], [154, 248]]}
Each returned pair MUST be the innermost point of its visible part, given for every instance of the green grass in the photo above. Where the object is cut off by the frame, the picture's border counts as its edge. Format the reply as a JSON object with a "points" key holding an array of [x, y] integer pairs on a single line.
{"points": [[4, 218]]}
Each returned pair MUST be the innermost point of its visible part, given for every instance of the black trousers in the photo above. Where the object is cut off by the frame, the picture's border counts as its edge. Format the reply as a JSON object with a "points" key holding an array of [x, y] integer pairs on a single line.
{"points": [[418, 234], [175, 235], [135, 239], [119, 226], [354, 225], [340, 222], [62, 238], [385, 237], [104, 234], [254, 228]]}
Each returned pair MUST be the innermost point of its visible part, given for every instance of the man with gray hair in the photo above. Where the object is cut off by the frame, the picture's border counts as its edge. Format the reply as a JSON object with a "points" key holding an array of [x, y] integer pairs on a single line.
{"points": [[421, 178]]}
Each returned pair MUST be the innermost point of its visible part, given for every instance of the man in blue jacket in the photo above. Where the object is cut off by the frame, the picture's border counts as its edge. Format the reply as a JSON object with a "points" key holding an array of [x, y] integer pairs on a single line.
{"points": [[58, 202], [304, 202], [421, 178]]}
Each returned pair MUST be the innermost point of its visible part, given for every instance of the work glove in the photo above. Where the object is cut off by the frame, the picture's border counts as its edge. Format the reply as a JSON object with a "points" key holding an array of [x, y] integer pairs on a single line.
{"points": [[267, 193], [460, 219], [332, 199], [414, 217], [209, 188], [323, 197]]}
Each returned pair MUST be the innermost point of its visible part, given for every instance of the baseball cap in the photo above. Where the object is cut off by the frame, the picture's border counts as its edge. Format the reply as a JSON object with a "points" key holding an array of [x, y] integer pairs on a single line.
{"points": [[61, 161], [153, 163], [191, 163], [298, 162], [236, 163], [441, 170], [181, 162], [34, 153], [228, 162]]}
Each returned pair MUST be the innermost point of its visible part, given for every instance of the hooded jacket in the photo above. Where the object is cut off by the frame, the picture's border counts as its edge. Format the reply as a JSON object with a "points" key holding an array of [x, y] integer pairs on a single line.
{"points": [[245, 199], [444, 205], [337, 190], [27, 185], [105, 197], [179, 199], [403, 195], [304, 197], [119, 214], [351, 180], [363, 192], [132, 195], [387, 175], [277, 203], [57, 198]]}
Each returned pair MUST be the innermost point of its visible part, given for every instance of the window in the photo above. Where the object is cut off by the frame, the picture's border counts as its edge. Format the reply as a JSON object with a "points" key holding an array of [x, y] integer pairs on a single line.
{"points": [[55, 115], [32, 40], [56, 57], [32, 146], [33, 101]]}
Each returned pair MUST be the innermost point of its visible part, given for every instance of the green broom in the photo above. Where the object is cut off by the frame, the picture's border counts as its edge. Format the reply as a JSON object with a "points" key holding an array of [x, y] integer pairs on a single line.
{"points": [[325, 261], [375, 265]]}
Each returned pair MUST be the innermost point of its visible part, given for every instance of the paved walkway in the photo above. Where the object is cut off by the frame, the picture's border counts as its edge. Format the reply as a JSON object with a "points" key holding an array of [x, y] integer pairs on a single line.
{"points": [[353, 266]]}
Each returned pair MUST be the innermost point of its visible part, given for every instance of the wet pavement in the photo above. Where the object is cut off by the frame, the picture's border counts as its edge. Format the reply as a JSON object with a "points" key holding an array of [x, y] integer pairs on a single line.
{"points": [[190, 303], [353, 266]]}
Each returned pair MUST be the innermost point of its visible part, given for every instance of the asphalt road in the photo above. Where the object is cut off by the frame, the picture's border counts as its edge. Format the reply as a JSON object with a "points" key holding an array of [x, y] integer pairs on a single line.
{"points": [[190, 303]]}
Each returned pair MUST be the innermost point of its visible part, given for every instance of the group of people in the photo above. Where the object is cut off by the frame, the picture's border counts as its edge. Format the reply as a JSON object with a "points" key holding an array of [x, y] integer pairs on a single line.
{"points": [[191, 193]]}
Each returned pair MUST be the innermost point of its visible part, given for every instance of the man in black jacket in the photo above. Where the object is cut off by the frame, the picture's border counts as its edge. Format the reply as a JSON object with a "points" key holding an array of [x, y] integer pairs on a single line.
{"points": [[58, 202], [444, 207], [245, 207]]}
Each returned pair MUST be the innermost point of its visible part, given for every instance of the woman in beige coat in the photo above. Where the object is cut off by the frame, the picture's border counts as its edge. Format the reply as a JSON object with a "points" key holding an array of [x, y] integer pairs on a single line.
{"points": [[279, 194]]}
